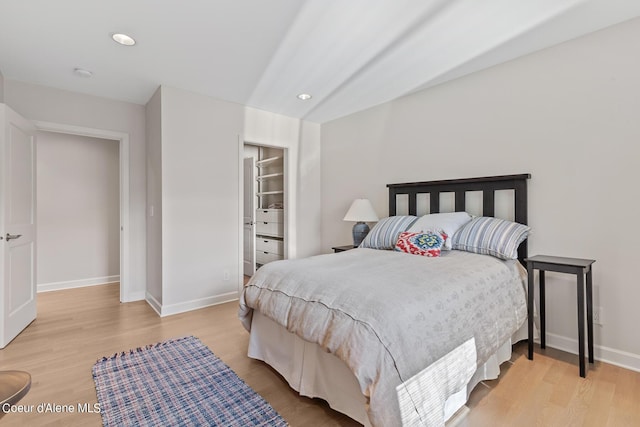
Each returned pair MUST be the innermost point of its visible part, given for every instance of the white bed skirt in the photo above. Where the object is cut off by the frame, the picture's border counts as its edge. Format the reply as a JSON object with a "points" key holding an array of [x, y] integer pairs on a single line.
{"points": [[314, 373]]}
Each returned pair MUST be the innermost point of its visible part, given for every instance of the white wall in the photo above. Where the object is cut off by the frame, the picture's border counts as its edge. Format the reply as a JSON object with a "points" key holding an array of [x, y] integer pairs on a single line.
{"points": [[199, 147], [41, 103], [195, 190], [199, 206], [569, 116], [302, 141], [154, 198], [78, 214]]}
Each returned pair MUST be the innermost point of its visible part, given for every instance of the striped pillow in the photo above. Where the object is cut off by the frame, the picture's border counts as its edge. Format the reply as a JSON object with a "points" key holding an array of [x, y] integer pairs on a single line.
{"points": [[491, 236], [385, 233]]}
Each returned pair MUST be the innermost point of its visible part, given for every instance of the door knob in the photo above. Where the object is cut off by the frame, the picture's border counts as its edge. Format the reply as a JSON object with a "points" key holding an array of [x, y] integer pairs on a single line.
{"points": [[12, 236]]}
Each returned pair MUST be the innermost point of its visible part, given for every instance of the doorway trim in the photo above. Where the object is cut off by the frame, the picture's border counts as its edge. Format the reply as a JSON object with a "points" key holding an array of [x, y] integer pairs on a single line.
{"points": [[123, 140], [289, 191]]}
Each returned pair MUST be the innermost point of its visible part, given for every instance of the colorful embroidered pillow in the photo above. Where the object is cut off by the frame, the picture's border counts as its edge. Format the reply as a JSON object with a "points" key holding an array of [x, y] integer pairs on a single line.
{"points": [[428, 243], [385, 233]]}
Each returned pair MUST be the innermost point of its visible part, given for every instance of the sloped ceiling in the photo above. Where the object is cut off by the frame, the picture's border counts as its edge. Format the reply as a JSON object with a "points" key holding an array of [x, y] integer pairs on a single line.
{"points": [[349, 54]]}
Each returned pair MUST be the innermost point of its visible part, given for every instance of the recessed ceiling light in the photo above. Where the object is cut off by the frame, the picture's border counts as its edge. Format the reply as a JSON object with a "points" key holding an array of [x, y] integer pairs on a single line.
{"points": [[123, 39], [304, 96], [81, 72]]}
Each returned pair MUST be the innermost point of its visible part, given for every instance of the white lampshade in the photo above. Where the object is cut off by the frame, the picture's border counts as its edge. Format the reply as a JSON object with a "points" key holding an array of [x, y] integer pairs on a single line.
{"points": [[361, 210]]}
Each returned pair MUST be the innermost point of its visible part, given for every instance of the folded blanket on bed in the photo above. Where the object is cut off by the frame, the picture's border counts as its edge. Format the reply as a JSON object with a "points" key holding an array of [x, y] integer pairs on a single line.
{"points": [[389, 315]]}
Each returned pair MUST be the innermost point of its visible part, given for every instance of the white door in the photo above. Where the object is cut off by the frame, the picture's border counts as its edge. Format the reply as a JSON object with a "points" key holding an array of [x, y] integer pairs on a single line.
{"points": [[17, 224], [249, 217]]}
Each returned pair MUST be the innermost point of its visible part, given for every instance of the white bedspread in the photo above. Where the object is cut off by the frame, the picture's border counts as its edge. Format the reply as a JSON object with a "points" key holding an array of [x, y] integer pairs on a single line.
{"points": [[389, 315]]}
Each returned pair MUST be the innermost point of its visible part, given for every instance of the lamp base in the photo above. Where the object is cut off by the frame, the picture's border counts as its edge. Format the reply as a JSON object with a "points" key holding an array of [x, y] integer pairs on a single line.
{"points": [[360, 231]]}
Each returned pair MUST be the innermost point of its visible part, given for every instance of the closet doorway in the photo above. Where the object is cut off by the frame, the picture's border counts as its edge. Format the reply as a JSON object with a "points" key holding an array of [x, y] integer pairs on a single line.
{"points": [[110, 255], [264, 206]]}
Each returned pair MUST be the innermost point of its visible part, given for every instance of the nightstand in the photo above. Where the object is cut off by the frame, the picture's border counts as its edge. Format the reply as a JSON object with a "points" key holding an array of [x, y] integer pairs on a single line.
{"points": [[576, 266], [337, 249]]}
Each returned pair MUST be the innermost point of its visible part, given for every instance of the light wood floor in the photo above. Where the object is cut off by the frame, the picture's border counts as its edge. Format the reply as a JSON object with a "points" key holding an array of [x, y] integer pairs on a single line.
{"points": [[76, 327]]}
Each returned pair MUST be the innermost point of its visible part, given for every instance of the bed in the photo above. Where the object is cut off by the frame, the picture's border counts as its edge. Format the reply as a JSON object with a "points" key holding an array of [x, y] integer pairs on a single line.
{"points": [[390, 338]]}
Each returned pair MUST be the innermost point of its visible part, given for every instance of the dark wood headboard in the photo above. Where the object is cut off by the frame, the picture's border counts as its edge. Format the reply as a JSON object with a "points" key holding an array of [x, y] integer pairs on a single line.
{"points": [[487, 185]]}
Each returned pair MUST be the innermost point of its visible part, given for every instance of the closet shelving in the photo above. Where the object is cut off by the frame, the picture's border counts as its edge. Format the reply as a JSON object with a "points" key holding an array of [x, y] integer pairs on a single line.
{"points": [[270, 176], [268, 161], [270, 210], [270, 181]]}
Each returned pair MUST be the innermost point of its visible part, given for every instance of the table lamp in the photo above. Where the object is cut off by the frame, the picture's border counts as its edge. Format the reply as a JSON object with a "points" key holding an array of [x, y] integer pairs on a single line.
{"points": [[361, 211]]}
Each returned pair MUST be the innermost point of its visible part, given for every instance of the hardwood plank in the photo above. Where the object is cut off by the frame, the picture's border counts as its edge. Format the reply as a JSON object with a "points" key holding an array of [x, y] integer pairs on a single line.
{"points": [[76, 327]]}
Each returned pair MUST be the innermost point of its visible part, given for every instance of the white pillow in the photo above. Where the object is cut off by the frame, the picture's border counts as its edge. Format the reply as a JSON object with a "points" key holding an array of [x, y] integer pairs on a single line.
{"points": [[447, 222]]}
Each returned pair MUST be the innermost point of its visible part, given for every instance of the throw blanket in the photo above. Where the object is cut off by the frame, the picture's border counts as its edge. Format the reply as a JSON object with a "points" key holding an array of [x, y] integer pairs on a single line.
{"points": [[388, 315]]}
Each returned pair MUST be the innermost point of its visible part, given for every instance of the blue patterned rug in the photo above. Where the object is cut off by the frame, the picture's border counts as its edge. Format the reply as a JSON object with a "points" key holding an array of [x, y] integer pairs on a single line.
{"points": [[178, 382]]}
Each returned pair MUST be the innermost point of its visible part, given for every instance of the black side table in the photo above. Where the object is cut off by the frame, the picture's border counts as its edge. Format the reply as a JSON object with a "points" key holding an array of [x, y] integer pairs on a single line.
{"points": [[576, 266], [337, 249]]}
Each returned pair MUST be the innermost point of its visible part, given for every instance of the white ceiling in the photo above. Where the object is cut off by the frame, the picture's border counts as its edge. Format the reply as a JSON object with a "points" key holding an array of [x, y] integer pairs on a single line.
{"points": [[349, 54]]}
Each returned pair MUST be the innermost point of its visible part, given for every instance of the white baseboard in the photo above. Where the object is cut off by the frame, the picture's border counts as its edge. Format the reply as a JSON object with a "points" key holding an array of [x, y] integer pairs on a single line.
{"points": [[170, 309], [157, 307], [605, 354], [70, 284]]}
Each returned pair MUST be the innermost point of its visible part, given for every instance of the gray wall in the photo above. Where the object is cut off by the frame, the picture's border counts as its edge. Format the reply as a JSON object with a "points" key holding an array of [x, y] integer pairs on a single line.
{"points": [[569, 116]]}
